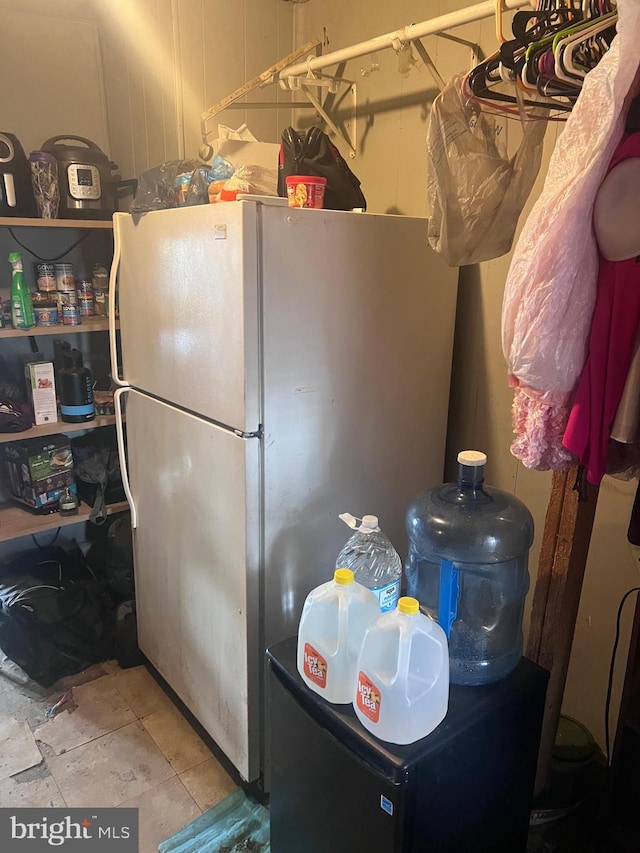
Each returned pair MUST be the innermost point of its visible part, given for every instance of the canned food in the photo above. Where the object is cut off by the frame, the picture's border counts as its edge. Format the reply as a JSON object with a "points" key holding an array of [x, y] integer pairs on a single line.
{"points": [[101, 298], [100, 277], [84, 287], [71, 315], [45, 276], [86, 306], [70, 298], [38, 296], [46, 314], [64, 277]]}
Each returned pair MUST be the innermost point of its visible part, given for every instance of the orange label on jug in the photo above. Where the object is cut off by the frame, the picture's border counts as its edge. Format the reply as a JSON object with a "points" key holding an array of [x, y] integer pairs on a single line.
{"points": [[368, 698], [315, 666]]}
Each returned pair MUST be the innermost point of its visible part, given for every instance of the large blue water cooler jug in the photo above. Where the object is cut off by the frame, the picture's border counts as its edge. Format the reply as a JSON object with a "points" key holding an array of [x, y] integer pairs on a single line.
{"points": [[468, 567]]}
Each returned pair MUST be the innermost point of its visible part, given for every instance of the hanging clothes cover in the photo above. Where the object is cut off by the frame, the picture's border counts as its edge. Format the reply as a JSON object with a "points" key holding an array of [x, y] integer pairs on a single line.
{"points": [[476, 191], [551, 284]]}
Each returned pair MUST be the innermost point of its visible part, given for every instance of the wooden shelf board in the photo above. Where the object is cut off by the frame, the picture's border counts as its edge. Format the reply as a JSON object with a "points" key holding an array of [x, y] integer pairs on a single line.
{"points": [[16, 522], [55, 428], [24, 222], [89, 324]]}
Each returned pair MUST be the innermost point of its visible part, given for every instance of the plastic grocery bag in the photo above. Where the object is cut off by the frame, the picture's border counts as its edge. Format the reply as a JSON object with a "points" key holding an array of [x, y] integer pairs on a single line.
{"points": [[476, 191], [551, 284], [258, 180], [178, 183], [237, 824]]}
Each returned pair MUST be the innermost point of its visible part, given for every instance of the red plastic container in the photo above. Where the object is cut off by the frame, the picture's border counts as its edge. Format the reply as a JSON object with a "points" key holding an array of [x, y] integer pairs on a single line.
{"points": [[305, 191]]}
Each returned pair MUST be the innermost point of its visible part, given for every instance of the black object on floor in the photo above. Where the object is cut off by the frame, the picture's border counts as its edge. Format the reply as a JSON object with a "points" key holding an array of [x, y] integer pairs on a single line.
{"points": [[466, 788], [126, 636], [54, 617], [566, 816]]}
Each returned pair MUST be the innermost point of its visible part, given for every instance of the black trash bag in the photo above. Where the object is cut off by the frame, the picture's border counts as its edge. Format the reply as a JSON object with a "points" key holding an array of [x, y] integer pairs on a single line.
{"points": [[54, 619], [311, 152], [97, 470], [160, 188], [178, 183], [110, 557], [126, 636]]}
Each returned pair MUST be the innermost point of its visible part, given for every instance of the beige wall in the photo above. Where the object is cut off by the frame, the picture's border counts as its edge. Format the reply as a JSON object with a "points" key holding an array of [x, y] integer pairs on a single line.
{"points": [[391, 163], [51, 72], [168, 61]]}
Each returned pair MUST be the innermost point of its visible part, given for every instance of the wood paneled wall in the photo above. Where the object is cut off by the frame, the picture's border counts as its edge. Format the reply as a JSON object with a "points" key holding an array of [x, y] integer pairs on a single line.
{"points": [[167, 61]]}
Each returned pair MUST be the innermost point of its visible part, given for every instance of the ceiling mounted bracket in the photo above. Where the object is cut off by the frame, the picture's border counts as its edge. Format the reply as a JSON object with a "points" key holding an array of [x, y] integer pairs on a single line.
{"points": [[477, 54], [429, 63], [306, 84], [267, 77]]}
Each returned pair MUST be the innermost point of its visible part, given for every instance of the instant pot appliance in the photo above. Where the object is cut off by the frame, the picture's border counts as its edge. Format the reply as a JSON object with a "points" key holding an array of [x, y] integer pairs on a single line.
{"points": [[16, 195], [88, 186]]}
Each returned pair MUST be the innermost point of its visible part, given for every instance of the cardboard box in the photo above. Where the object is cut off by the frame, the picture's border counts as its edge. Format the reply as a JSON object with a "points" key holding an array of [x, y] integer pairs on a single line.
{"points": [[42, 391], [241, 153], [39, 469]]}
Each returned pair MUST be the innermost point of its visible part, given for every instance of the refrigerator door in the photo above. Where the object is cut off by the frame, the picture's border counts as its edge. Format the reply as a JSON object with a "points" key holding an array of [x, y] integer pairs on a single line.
{"points": [[188, 302], [357, 339], [195, 491]]}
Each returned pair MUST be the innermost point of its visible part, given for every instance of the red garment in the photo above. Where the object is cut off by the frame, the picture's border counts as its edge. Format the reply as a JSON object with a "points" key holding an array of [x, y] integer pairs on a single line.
{"points": [[616, 316]]}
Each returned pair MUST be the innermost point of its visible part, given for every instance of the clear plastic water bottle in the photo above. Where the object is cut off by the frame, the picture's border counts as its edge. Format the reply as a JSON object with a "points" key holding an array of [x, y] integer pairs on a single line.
{"points": [[373, 560], [334, 619], [468, 566], [402, 692]]}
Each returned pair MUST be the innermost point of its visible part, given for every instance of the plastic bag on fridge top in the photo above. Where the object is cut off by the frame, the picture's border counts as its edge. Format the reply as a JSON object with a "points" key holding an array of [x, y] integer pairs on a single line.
{"points": [[550, 288], [476, 191]]}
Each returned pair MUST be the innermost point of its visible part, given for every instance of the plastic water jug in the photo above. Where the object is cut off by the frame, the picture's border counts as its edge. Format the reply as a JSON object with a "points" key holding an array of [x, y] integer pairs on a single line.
{"points": [[467, 565], [334, 618], [373, 560], [402, 692]]}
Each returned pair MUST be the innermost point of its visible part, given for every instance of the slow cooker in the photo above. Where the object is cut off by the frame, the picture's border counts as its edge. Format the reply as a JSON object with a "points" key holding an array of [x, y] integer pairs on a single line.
{"points": [[87, 183]]}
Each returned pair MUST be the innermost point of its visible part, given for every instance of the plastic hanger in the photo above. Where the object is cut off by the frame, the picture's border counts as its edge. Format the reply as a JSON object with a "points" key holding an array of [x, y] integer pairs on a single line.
{"points": [[567, 68], [543, 66]]}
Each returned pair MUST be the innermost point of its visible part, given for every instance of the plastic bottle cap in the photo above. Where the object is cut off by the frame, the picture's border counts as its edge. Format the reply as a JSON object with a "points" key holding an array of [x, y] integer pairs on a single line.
{"points": [[343, 576], [472, 458], [408, 605], [368, 523]]}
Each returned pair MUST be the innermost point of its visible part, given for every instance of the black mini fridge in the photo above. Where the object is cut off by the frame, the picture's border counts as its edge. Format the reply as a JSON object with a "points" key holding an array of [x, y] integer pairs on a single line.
{"points": [[465, 788]]}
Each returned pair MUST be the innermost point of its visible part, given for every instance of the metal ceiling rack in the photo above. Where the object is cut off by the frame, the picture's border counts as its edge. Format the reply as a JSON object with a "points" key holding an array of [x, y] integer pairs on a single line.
{"points": [[304, 77]]}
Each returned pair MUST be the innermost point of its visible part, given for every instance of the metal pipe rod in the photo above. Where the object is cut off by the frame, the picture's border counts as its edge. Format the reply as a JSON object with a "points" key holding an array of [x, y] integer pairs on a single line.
{"points": [[412, 31]]}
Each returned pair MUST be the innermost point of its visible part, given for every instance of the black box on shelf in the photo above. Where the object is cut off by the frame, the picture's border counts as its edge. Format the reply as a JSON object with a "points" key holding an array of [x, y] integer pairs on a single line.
{"points": [[39, 469]]}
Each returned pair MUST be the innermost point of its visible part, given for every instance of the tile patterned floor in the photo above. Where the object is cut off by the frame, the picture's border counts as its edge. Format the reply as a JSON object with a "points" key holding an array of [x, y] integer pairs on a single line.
{"points": [[117, 741]]}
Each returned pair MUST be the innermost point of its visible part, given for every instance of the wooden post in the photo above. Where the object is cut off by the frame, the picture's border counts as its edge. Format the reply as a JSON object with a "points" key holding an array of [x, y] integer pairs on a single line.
{"points": [[563, 557]]}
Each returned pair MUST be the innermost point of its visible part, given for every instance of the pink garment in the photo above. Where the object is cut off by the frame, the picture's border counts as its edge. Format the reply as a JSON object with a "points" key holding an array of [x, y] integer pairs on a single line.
{"points": [[550, 289], [616, 316]]}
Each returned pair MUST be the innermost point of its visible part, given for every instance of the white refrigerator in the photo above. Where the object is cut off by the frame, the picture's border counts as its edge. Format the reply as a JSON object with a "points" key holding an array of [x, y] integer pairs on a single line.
{"points": [[278, 367]]}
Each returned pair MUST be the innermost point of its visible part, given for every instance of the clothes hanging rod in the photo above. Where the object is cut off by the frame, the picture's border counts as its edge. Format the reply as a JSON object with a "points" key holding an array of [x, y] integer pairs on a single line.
{"points": [[413, 31]]}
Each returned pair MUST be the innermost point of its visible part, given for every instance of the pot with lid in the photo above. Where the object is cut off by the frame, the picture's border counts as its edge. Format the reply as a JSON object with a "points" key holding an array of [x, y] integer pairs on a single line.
{"points": [[87, 180]]}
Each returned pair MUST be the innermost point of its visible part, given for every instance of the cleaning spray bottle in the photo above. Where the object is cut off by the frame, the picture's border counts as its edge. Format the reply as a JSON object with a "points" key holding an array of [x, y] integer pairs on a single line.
{"points": [[22, 316], [76, 390]]}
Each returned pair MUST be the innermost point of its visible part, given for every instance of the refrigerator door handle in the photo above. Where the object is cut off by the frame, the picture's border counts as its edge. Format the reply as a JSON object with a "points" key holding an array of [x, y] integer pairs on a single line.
{"points": [[122, 454], [113, 278]]}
